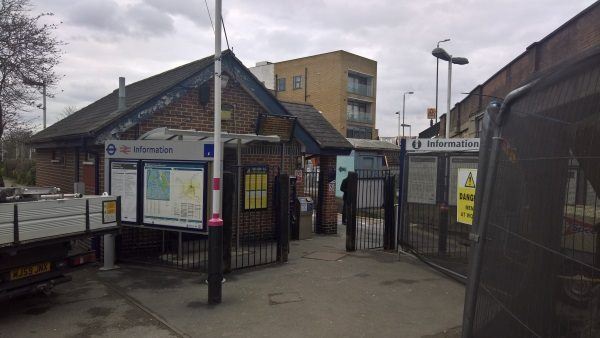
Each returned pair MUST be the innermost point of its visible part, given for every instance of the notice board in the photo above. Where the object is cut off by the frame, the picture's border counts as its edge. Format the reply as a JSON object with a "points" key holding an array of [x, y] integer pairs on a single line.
{"points": [[174, 194], [123, 182], [422, 179]]}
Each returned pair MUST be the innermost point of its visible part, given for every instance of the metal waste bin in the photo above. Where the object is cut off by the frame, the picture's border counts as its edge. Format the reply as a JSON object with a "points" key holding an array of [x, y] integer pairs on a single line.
{"points": [[305, 219]]}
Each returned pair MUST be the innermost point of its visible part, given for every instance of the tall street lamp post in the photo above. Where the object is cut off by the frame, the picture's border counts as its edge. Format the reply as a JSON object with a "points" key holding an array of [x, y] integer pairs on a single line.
{"points": [[437, 72], [404, 109], [440, 53]]}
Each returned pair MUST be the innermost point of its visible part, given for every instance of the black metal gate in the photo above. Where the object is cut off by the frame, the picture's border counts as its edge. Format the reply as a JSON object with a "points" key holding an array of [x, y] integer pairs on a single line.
{"points": [[428, 210], [370, 217], [310, 188]]}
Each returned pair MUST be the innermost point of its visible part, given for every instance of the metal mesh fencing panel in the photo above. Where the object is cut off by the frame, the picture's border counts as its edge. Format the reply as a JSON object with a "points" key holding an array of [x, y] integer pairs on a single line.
{"points": [[540, 215]]}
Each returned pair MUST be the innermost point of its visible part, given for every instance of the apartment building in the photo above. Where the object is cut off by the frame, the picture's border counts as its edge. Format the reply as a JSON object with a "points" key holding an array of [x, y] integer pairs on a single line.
{"points": [[339, 84]]}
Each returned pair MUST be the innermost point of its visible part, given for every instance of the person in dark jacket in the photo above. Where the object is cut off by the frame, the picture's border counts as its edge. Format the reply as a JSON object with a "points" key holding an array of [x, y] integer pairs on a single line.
{"points": [[344, 189]]}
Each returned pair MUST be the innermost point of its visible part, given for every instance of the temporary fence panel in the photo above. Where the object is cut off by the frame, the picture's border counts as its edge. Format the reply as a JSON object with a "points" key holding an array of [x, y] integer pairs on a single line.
{"points": [[535, 268]]}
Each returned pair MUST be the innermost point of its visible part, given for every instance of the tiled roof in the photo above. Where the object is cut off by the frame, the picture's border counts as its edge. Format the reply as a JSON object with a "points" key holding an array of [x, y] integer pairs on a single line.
{"points": [[317, 126], [99, 114], [359, 143]]}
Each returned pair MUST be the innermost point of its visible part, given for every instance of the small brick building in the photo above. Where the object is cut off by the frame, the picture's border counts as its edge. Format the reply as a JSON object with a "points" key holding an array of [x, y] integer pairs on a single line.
{"points": [[72, 150]]}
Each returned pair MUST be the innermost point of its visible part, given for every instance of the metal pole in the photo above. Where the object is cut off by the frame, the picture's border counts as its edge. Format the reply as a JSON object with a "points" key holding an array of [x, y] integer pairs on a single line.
{"points": [[403, 108], [449, 97], [44, 102], [398, 113], [437, 72], [215, 224]]}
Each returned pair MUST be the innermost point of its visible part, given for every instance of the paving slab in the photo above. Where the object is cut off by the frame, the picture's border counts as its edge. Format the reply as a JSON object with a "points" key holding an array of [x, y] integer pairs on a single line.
{"points": [[360, 294]]}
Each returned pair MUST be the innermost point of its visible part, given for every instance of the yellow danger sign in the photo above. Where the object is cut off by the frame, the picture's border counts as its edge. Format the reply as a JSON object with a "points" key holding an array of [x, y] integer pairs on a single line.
{"points": [[465, 198]]}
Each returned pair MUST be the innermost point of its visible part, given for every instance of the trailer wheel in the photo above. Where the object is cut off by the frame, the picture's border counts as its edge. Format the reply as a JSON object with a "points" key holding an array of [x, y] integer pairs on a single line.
{"points": [[579, 291]]}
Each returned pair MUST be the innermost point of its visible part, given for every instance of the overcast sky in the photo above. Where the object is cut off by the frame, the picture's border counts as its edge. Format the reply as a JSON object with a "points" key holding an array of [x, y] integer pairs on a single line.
{"points": [[138, 38]]}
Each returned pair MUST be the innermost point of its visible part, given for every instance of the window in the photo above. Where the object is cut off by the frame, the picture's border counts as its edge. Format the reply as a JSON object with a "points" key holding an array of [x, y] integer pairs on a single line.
{"points": [[281, 84], [361, 85], [58, 157], [297, 81], [359, 112], [359, 132]]}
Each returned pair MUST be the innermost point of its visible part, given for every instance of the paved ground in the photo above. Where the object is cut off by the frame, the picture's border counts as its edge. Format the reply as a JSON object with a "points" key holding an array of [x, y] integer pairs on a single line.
{"points": [[358, 295]]}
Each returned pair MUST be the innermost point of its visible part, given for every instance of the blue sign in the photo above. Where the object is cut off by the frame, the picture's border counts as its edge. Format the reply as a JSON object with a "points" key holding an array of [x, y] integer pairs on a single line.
{"points": [[111, 149], [209, 150]]}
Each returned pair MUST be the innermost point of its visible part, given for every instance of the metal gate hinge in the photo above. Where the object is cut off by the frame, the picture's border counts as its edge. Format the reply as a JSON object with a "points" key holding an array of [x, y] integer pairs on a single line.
{"points": [[474, 237]]}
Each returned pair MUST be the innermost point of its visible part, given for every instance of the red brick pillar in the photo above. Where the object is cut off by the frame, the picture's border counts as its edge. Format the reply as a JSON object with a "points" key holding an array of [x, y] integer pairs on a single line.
{"points": [[327, 208]]}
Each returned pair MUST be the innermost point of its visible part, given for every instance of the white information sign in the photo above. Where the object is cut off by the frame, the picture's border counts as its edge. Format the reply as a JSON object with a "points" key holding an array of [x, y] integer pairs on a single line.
{"points": [[442, 144], [123, 182], [458, 162], [162, 150], [174, 194], [422, 179]]}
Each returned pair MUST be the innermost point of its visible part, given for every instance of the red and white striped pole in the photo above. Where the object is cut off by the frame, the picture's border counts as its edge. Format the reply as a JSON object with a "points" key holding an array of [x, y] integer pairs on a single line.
{"points": [[215, 224]]}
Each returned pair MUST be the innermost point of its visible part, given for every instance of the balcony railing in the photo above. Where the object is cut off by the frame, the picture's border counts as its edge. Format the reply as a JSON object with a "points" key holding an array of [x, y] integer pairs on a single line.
{"points": [[360, 89], [363, 118]]}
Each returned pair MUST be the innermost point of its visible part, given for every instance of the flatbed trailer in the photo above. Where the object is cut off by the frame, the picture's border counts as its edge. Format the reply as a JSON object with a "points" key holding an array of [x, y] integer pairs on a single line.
{"points": [[37, 233]]}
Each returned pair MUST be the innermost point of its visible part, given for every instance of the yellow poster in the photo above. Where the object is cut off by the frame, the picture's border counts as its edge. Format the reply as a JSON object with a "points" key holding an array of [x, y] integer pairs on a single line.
{"points": [[465, 195], [255, 186]]}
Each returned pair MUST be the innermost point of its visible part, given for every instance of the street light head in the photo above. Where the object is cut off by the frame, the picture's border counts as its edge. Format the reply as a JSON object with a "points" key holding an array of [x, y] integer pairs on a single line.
{"points": [[410, 93], [460, 60], [440, 53]]}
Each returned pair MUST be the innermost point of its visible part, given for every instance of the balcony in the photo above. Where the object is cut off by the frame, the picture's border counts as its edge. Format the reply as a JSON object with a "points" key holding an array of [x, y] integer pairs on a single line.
{"points": [[360, 85], [360, 89], [361, 117]]}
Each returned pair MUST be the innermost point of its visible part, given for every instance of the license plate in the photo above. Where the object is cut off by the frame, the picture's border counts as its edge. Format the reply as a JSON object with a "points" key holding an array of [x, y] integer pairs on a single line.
{"points": [[32, 270]]}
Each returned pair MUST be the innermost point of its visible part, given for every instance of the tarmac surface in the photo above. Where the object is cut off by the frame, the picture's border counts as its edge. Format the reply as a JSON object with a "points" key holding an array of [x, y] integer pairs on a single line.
{"points": [[321, 292]]}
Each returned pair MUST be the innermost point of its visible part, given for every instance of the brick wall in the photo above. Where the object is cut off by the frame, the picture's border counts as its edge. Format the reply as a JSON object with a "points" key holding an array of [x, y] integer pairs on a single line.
{"points": [[326, 87], [575, 36], [327, 220]]}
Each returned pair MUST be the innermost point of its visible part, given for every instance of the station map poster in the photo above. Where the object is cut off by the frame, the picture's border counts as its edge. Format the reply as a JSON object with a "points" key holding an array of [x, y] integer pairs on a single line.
{"points": [[457, 162], [255, 188], [422, 179], [123, 182], [174, 194]]}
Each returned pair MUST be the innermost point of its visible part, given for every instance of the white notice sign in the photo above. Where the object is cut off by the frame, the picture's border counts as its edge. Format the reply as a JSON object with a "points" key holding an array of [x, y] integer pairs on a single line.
{"points": [[174, 194], [422, 179], [123, 182]]}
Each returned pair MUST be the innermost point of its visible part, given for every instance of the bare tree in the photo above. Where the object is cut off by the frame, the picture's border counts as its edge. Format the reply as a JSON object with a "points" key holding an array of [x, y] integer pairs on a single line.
{"points": [[68, 110], [28, 54]]}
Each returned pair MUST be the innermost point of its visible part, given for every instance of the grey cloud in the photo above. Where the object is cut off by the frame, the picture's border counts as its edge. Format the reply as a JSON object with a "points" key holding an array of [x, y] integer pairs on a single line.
{"points": [[398, 34], [108, 17]]}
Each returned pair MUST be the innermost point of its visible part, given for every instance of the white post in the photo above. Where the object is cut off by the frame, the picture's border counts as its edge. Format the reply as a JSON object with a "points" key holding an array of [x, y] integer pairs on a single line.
{"points": [[216, 196], [449, 97]]}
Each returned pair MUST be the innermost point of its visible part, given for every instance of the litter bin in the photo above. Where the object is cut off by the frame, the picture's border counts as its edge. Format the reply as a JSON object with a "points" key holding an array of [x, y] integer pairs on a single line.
{"points": [[305, 220]]}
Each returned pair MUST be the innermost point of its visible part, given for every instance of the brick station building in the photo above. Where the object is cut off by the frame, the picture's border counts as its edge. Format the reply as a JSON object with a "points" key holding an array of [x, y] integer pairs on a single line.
{"points": [[72, 150]]}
